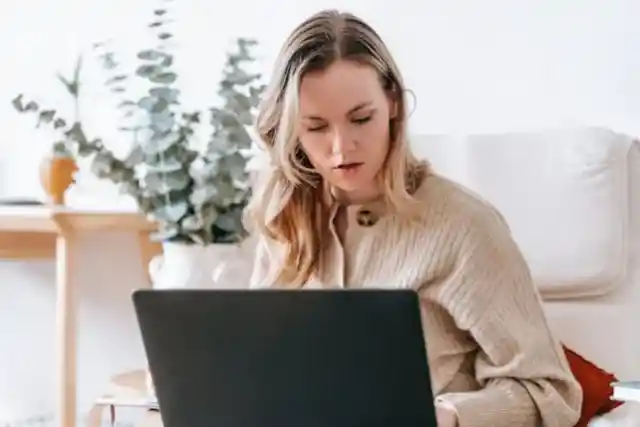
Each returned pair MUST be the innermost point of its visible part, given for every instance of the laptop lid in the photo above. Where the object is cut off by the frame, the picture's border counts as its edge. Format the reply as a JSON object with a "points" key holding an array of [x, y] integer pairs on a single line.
{"points": [[285, 358]]}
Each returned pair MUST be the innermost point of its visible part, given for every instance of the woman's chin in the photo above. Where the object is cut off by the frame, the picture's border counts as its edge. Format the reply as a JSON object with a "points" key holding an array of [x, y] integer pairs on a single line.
{"points": [[350, 179], [352, 185]]}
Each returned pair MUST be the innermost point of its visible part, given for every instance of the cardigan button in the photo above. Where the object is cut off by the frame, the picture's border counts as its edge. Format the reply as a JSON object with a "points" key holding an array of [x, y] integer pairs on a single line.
{"points": [[365, 218]]}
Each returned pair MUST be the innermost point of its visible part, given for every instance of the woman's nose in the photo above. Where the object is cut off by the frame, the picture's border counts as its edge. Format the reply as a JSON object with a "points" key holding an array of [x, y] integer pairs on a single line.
{"points": [[342, 143]]}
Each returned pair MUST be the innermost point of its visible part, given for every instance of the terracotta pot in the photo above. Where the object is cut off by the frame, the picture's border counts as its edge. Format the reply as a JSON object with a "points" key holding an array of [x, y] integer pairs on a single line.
{"points": [[56, 176]]}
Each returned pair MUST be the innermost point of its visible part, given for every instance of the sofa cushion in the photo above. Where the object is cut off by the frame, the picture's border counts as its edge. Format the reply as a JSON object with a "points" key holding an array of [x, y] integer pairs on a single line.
{"points": [[564, 194]]}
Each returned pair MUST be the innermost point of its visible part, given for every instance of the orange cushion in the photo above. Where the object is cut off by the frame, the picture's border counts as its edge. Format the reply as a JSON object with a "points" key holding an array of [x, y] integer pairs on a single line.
{"points": [[596, 387]]}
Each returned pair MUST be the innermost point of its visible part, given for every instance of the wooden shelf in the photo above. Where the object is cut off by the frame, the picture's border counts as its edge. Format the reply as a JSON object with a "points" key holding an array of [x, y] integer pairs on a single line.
{"points": [[53, 219], [29, 233], [25, 245]]}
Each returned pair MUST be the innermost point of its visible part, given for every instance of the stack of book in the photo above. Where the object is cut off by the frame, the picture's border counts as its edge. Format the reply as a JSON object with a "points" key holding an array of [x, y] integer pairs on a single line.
{"points": [[149, 403], [626, 391], [126, 401]]}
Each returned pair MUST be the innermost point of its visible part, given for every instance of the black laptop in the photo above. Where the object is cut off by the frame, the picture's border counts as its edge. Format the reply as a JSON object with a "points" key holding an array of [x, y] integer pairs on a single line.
{"points": [[279, 358]]}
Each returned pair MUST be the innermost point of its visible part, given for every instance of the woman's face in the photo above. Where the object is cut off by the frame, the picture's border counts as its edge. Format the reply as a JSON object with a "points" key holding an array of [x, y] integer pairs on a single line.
{"points": [[344, 125]]}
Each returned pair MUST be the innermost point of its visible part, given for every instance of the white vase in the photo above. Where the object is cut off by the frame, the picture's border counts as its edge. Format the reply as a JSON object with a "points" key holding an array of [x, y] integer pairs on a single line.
{"points": [[215, 266]]}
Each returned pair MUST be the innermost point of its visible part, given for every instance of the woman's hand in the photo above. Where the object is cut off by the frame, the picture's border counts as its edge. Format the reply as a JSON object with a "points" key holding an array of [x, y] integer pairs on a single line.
{"points": [[446, 415]]}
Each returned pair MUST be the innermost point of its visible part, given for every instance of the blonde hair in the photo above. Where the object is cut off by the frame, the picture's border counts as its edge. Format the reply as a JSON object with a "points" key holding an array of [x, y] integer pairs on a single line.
{"points": [[288, 204]]}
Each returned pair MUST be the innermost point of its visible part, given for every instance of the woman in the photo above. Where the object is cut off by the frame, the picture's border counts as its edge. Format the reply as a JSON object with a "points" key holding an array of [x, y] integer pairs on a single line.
{"points": [[344, 203]]}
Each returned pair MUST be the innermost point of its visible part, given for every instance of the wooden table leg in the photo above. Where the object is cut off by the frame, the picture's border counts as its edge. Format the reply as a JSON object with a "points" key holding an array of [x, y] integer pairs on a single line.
{"points": [[66, 333]]}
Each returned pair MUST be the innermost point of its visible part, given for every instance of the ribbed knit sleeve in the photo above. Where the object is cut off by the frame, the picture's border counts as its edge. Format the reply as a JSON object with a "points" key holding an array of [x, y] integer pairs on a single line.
{"points": [[525, 378]]}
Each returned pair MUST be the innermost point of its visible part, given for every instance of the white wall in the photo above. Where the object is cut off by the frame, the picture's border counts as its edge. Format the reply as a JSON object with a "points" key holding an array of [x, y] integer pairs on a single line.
{"points": [[474, 66]]}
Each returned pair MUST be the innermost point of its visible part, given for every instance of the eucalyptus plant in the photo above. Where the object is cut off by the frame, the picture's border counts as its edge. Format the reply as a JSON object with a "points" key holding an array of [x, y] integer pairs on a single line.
{"points": [[47, 116], [195, 196]]}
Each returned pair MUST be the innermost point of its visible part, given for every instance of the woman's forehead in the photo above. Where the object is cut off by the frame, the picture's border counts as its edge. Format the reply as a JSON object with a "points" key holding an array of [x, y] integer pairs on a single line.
{"points": [[340, 88]]}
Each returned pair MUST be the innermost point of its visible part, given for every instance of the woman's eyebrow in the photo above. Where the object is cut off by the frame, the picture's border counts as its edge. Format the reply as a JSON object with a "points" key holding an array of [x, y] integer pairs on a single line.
{"points": [[352, 110]]}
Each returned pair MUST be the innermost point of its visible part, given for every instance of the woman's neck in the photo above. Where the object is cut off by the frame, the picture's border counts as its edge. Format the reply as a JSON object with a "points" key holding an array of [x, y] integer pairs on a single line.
{"points": [[357, 197]]}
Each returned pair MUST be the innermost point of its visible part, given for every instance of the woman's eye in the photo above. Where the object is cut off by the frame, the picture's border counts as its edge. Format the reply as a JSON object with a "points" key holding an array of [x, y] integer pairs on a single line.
{"points": [[317, 128], [362, 120]]}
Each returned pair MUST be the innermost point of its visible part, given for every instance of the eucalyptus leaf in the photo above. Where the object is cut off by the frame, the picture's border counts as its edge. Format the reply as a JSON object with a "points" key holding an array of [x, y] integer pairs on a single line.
{"points": [[205, 172], [148, 70], [228, 222], [101, 165], [169, 166], [167, 61], [135, 156], [128, 187], [224, 194], [208, 214], [240, 137], [116, 79], [171, 213], [239, 102], [164, 183], [31, 106], [59, 123], [88, 148], [163, 77], [118, 172], [147, 103], [165, 233], [203, 195], [192, 223], [162, 122], [109, 62], [60, 149], [46, 116], [255, 93], [126, 104], [200, 237], [76, 134], [224, 118], [236, 165], [144, 203], [160, 106], [161, 143], [150, 55], [169, 95], [17, 103], [191, 117], [245, 118], [71, 86]]}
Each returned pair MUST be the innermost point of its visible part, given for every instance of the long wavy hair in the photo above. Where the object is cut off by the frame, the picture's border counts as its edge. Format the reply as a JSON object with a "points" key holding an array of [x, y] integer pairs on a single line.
{"points": [[289, 203]]}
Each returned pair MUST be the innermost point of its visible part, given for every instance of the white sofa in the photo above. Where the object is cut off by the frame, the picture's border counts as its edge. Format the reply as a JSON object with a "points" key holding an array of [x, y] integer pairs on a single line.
{"points": [[572, 199]]}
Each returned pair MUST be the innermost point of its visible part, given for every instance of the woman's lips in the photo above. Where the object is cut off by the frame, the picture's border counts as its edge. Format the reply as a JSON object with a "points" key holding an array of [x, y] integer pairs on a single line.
{"points": [[348, 168]]}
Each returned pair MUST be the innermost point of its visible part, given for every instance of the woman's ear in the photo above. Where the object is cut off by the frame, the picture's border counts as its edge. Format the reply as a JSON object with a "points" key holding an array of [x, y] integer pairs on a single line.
{"points": [[393, 98], [393, 109]]}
